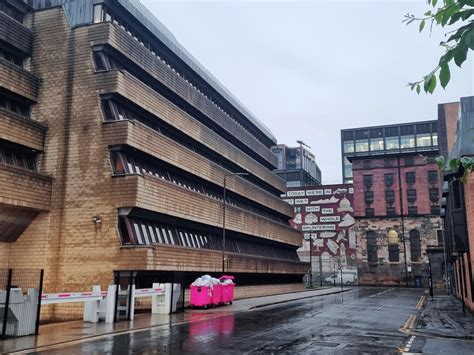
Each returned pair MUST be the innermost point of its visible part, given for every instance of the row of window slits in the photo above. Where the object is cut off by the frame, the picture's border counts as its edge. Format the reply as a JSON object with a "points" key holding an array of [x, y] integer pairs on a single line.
{"points": [[14, 106], [11, 11], [17, 158], [144, 232], [10, 57], [114, 111], [415, 248], [104, 14], [123, 163]]}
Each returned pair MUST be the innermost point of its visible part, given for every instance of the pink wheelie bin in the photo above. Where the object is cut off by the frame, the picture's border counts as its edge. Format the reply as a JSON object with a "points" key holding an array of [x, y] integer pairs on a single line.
{"points": [[201, 296], [216, 298], [227, 290]]}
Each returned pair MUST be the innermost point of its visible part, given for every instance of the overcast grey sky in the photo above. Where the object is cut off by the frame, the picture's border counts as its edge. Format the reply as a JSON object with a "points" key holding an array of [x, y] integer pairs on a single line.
{"points": [[307, 69]]}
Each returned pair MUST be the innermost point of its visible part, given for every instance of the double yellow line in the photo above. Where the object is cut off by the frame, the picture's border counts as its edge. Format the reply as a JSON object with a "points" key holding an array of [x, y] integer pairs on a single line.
{"points": [[420, 302]]}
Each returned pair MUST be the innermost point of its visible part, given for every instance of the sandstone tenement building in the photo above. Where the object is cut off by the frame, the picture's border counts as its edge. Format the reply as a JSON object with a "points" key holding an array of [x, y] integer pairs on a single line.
{"points": [[114, 147]]}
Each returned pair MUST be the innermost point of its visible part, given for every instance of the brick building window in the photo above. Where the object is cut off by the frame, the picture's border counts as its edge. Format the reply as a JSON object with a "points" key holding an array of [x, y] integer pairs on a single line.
{"points": [[410, 177], [389, 196], [367, 164], [368, 181], [411, 195], [369, 197], [369, 212], [388, 163], [415, 245], [391, 212], [433, 176], [409, 161], [388, 178], [412, 210], [434, 194], [371, 247], [393, 253], [435, 210]]}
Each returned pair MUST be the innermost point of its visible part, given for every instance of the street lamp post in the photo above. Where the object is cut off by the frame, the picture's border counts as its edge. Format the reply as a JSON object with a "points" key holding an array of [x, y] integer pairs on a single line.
{"points": [[400, 195], [223, 217]]}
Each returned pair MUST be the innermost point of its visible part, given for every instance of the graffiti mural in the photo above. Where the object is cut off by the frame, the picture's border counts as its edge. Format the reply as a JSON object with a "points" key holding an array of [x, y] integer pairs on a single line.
{"points": [[325, 216]]}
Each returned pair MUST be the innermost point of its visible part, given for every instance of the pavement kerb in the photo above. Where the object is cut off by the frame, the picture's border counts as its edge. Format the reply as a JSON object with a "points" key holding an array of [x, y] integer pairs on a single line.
{"points": [[140, 329], [301, 298]]}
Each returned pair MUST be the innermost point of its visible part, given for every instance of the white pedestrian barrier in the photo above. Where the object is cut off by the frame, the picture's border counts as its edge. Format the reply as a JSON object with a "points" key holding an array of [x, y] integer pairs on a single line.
{"points": [[100, 305]]}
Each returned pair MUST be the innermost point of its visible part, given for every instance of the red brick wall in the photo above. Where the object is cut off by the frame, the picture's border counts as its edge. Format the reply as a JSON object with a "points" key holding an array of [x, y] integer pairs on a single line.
{"points": [[378, 171]]}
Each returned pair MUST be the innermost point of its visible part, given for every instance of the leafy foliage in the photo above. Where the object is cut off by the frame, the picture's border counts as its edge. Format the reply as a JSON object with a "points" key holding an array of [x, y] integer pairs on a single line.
{"points": [[467, 163], [460, 41]]}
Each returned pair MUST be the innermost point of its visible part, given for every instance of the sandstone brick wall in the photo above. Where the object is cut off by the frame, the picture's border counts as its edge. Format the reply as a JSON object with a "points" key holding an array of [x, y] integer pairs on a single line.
{"points": [[384, 271]]}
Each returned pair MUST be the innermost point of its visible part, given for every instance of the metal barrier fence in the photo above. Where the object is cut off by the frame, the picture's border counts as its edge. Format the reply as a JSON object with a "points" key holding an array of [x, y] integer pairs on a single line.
{"points": [[20, 301]]}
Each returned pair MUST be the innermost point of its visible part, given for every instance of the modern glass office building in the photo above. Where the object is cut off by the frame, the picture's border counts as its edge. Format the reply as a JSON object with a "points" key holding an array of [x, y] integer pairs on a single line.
{"points": [[386, 140]]}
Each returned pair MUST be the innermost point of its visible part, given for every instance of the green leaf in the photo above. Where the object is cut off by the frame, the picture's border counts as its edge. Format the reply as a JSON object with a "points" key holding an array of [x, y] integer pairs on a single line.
{"points": [[422, 25], [434, 2], [418, 89], [448, 13], [460, 55], [440, 162], [467, 2], [453, 165], [444, 75], [466, 14], [456, 17], [428, 13], [430, 83], [469, 40]]}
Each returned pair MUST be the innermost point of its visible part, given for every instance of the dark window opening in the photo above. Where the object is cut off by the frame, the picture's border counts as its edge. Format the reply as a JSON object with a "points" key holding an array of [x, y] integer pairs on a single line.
{"points": [[409, 161], [371, 247], [10, 57], [11, 11], [348, 135], [367, 164], [393, 253], [389, 196], [368, 181], [369, 212], [410, 177], [388, 163], [433, 177], [434, 194], [412, 210], [12, 105], [391, 212], [369, 197], [18, 158], [411, 195], [435, 210], [415, 245], [388, 178]]}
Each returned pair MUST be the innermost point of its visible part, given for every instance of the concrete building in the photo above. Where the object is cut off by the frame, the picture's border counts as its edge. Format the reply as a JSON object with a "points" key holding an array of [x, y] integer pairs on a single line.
{"points": [[396, 200], [297, 166], [324, 214], [115, 147], [458, 208]]}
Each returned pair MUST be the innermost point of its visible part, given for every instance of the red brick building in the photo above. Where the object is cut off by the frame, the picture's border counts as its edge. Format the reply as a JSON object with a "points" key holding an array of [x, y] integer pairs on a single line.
{"points": [[396, 200]]}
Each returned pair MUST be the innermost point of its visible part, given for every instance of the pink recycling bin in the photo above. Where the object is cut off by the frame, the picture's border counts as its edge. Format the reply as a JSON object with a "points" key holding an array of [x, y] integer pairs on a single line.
{"points": [[201, 296], [227, 290]]}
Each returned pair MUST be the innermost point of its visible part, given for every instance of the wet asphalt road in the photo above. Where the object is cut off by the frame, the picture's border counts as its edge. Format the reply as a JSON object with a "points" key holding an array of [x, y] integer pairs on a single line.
{"points": [[365, 320]]}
